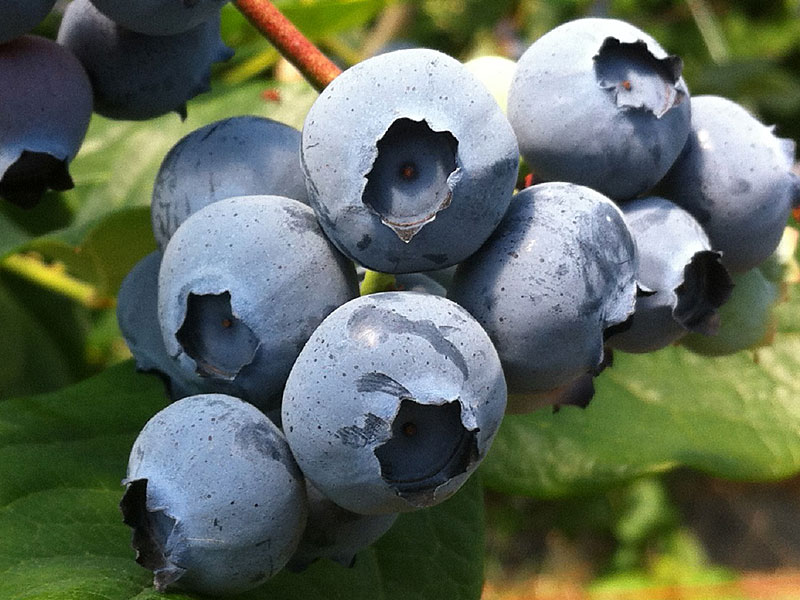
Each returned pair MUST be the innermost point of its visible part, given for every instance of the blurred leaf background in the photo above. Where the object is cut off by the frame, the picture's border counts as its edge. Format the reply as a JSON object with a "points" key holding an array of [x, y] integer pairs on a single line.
{"points": [[666, 531]]}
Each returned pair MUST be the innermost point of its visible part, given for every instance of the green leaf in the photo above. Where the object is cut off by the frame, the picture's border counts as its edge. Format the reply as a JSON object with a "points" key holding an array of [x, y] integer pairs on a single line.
{"points": [[12, 236], [19, 225], [735, 416], [438, 552], [320, 18], [62, 456], [42, 339], [26, 351], [680, 564]]}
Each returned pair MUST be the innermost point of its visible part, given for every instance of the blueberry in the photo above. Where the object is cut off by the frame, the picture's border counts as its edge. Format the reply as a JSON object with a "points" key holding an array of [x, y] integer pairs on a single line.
{"points": [[47, 103], [443, 277], [393, 402], [336, 533], [243, 283], [599, 103], [214, 497], [551, 282], [410, 162], [734, 176], [21, 16], [685, 279], [159, 17], [239, 156], [136, 76], [137, 315]]}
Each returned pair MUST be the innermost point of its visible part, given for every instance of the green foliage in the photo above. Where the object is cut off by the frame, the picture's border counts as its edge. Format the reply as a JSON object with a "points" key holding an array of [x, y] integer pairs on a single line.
{"points": [[680, 563], [33, 358]]}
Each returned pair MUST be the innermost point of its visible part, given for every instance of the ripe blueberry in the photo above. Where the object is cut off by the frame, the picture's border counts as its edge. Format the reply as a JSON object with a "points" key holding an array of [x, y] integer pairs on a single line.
{"points": [[137, 315], [336, 533], [685, 280], [159, 17], [243, 283], [555, 276], [214, 497], [599, 103], [410, 162], [239, 156], [21, 16], [46, 101], [136, 76], [734, 176], [393, 402]]}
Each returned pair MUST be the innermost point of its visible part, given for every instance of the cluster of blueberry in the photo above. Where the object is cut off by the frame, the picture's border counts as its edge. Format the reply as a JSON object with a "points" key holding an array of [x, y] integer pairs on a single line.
{"points": [[306, 417], [125, 60]]}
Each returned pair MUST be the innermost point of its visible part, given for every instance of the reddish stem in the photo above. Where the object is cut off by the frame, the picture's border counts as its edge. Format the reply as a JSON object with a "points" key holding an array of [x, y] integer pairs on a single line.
{"points": [[287, 39]]}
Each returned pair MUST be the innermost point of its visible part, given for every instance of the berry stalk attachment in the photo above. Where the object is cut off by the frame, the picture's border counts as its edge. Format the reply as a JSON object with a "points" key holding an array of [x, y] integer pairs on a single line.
{"points": [[317, 68]]}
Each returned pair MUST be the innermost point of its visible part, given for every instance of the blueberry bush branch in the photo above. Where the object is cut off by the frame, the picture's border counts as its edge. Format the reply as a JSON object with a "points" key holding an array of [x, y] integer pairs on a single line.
{"points": [[375, 281], [317, 68], [55, 278]]}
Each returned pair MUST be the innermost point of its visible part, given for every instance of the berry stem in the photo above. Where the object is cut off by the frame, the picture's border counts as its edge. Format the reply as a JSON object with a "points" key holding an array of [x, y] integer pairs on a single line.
{"points": [[374, 282], [289, 41], [53, 277]]}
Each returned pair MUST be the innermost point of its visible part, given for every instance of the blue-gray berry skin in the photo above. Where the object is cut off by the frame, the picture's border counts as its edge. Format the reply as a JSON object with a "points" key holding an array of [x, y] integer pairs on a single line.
{"points": [[136, 76], [336, 533], [734, 176], [159, 17], [599, 103], [21, 16], [419, 282], [684, 280], [393, 402], [46, 101], [410, 161], [238, 156], [214, 497], [443, 276], [557, 273], [243, 283]]}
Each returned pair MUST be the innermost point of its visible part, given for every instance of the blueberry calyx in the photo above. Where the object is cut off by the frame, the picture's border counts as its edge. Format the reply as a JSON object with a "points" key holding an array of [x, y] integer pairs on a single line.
{"points": [[412, 177], [429, 446], [577, 393], [220, 343], [33, 173], [150, 530], [636, 78], [706, 286]]}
